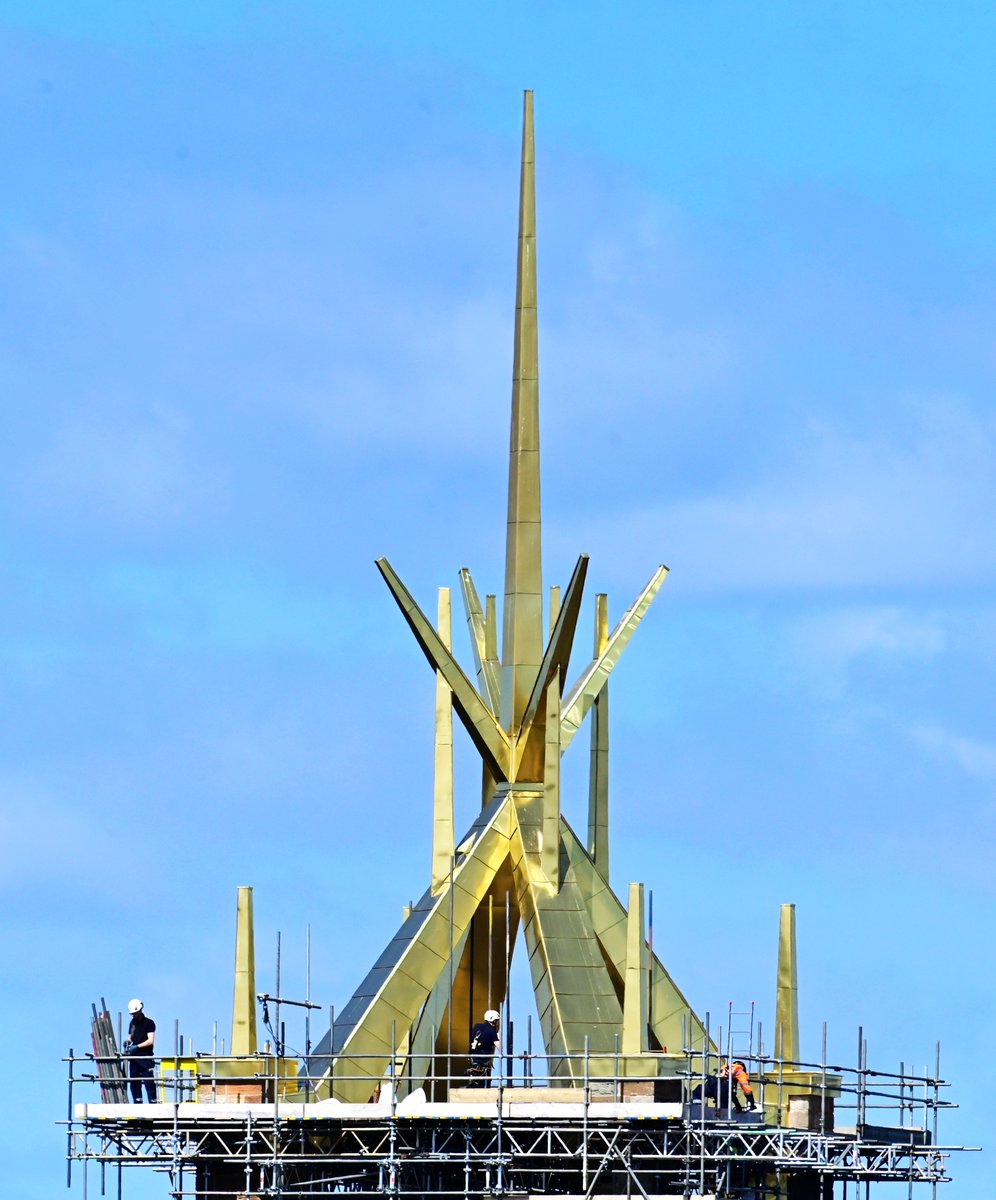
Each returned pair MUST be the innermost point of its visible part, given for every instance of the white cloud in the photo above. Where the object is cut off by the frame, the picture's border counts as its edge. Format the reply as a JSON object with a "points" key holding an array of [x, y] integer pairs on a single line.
{"points": [[848, 509], [977, 759], [133, 473], [837, 637], [823, 646]]}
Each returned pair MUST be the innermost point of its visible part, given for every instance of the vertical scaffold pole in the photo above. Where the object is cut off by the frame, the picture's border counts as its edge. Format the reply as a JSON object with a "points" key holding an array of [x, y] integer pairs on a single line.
{"points": [[584, 1161], [702, 1106], [248, 1166], [177, 1160], [686, 1084], [527, 1070], [394, 1075], [331, 1051], [276, 1010], [449, 1002], [471, 971], [69, 1121], [307, 1011], [650, 969], [823, 1080], [937, 1093], [491, 947], [508, 978]]}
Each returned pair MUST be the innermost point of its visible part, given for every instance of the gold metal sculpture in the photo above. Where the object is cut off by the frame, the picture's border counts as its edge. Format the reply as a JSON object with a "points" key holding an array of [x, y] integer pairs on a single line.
{"points": [[597, 986]]}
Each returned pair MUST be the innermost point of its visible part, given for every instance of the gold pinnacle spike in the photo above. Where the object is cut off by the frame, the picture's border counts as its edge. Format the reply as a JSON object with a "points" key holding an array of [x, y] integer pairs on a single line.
{"points": [[598, 770], [551, 671], [488, 670], [582, 694], [477, 718], [522, 636], [244, 1004], [787, 1000], [634, 1030]]}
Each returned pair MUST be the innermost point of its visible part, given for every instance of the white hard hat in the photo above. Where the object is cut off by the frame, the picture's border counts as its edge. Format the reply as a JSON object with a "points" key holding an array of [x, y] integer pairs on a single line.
{"points": [[491, 1015], [134, 1006]]}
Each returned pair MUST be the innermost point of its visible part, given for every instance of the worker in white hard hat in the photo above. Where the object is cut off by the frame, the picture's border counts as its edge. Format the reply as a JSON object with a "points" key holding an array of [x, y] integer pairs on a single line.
{"points": [[484, 1044], [139, 1047]]}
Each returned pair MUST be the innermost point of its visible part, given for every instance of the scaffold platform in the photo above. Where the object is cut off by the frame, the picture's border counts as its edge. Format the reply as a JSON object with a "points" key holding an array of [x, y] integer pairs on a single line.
{"points": [[528, 1138]]}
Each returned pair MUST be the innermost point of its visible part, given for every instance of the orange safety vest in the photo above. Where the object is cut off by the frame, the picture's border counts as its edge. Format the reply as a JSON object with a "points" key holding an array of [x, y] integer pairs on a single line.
{"points": [[739, 1076]]}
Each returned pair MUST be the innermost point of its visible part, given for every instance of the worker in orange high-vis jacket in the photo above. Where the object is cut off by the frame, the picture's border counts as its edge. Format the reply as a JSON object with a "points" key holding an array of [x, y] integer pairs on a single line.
{"points": [[736, 1072]]}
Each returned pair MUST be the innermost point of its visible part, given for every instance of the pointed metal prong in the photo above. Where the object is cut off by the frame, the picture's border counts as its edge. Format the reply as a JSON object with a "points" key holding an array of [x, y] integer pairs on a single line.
{"points": [[477, 718], [558, 651], [488, 669], [582, 695]]}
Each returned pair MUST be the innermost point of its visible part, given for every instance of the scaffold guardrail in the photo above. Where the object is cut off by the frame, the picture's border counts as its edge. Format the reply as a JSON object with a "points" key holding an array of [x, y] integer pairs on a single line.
{"points": [[633, 1127]]}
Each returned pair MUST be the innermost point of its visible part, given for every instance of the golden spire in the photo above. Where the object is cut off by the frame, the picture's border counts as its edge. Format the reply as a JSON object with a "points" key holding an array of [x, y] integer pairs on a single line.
{"points": [[522, 639], [520, 852]]}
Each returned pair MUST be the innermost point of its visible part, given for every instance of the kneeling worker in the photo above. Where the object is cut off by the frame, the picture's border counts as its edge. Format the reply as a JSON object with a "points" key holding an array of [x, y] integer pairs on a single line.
{"points": [[722, 1088], [484, 1043], [739, 1078]]}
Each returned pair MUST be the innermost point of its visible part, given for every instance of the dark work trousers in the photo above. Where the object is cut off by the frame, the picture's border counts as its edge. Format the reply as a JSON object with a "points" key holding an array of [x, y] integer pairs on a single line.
{"points": [[717, 1090], [480, 1072], [139, 1070]]}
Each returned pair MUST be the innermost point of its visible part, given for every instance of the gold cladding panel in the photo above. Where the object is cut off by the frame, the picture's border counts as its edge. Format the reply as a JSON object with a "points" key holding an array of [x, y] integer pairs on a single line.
{"points": [[668, 1004]]}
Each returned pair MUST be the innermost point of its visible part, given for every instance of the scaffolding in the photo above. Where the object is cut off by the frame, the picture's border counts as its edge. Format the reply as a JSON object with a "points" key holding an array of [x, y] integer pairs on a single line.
{"points": [[635, 1126], [381, 1105]]}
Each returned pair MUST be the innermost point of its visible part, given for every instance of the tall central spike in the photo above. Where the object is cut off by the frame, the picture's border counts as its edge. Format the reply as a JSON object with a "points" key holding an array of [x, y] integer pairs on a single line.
{"points": [[522, 634]]}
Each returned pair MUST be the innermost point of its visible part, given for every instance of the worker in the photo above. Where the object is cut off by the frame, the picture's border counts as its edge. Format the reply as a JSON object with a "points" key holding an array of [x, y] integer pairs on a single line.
{"points": [[139, 1046], [716, 1089], [484, 1043], [736, 1072]]}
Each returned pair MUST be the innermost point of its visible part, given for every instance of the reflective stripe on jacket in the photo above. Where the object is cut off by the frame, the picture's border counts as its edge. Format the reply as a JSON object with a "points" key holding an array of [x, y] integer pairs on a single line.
{"points": [[739, 1076]]}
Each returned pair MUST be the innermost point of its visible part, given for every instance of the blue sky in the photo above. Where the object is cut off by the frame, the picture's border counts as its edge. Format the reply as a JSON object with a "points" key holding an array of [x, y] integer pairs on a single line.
{"points": [[255, 331]]}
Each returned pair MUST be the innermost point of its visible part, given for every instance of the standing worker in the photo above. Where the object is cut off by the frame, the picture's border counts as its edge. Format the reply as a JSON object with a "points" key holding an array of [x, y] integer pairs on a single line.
{"points": [[484, 1043], [139, 1045]]}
